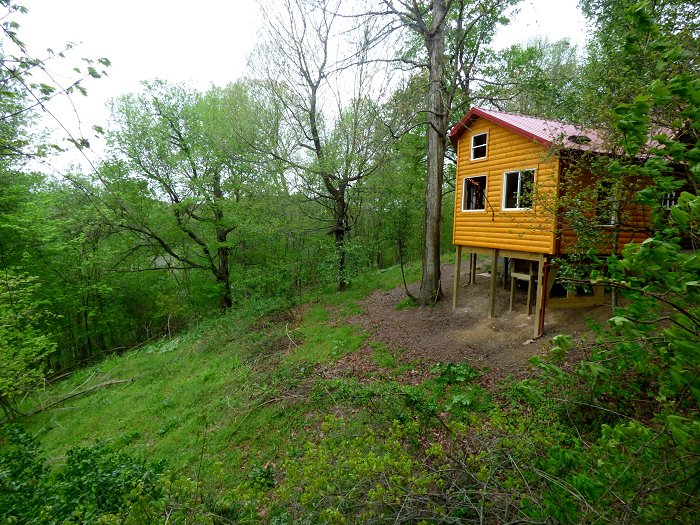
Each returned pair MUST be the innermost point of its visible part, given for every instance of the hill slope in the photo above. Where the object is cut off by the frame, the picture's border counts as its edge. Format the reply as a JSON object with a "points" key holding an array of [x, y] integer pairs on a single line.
{"points": [[319, 413]]}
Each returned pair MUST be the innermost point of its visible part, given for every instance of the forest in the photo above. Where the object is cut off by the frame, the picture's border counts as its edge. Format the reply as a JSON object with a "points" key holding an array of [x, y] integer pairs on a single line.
{"points": [[192, 288]]}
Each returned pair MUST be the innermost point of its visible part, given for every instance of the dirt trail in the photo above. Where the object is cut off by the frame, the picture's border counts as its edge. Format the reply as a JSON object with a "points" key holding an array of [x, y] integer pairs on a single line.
{"points": [[426, 336]]}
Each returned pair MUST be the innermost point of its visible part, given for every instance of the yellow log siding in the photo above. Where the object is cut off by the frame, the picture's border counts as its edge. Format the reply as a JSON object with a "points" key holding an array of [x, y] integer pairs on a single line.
{"points": [[519, 230]]}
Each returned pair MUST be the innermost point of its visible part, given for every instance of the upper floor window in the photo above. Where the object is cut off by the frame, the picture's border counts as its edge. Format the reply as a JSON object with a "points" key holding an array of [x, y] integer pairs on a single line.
{"points": [[518, 189], [474, 193], [479, 146]]}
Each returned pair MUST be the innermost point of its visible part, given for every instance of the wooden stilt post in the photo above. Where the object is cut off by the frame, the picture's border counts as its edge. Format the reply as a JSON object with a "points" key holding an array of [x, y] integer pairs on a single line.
{"points": [[458, 267], [541, 298], [529, 291], [494, 271], [469, 269]]}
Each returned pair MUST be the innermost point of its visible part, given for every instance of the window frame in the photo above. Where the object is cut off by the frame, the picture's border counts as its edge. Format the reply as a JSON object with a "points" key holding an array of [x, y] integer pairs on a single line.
{"points": [[464, 192], [670, 199], [519, 191], [485, 145]]}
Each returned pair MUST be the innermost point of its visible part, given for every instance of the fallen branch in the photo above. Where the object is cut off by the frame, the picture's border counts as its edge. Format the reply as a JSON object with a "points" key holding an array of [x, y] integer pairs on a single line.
{"points": [[76, 394], [291, 340]]}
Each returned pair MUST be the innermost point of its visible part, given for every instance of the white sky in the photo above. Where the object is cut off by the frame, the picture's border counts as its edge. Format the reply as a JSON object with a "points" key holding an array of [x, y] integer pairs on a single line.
{"points": [[203, 42]]}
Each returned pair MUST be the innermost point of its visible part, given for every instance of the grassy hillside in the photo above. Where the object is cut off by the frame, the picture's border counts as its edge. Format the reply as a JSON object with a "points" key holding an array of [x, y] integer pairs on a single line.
{"points": [[241, 419], [217, 402]]}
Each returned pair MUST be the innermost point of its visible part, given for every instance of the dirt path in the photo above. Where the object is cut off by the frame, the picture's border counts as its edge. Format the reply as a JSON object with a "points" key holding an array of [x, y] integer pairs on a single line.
{"points": [[425, 336]]}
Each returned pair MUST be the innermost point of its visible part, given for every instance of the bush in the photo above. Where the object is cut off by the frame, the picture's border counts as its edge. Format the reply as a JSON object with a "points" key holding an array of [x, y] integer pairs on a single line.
{"points": [[96, 485]]}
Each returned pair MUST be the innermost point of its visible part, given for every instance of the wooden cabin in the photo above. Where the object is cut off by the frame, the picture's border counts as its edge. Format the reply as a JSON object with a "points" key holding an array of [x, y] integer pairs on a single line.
{"points": [[512, 172]]}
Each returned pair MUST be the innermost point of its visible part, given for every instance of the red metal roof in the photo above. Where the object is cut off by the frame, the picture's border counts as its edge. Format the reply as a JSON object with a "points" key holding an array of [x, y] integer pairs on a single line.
{"points": [[547, 132]]}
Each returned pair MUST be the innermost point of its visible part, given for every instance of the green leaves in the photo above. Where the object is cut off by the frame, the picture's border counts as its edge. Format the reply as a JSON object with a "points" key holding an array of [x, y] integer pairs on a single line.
{"points": [[452, 373], [23, 347], [96, 485], [634, 396]]}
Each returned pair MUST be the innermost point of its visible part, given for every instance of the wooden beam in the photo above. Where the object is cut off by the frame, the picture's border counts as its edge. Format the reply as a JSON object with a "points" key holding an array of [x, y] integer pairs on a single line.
{"points": [[514, 254], [541, 297], [469, 268], [579, 301], [529, 291], [519, 276], [552, 277], [472, 268], [494, 271], [502, 252], [458, 266], [479, 249], [575, 302]]}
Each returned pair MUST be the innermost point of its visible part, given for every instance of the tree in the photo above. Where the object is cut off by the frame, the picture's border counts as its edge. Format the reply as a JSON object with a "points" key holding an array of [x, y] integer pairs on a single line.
{"points": [[617, 69], [315, 67], [26, 85], [23, 347], [615, 72], [165, 141], [453, 34], [538, 78]]}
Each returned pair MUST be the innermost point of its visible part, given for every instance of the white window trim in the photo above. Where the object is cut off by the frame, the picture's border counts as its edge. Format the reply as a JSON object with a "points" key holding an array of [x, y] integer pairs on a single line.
{"points": [[464, 188], [471, 146], [520, 180]]}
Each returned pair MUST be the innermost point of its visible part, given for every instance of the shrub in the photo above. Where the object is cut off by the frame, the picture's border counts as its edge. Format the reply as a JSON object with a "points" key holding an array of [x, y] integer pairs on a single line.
{"points": [[96, 485]]}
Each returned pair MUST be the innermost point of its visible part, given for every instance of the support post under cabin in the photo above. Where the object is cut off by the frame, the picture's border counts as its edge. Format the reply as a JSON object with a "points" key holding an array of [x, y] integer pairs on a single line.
{"points": [[541, 297], [458, 266], [494, 271]]}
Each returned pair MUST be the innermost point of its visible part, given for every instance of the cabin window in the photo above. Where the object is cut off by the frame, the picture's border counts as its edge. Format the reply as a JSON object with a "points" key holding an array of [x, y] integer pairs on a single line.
{"points": [[479, 146], [474, 193], [670, 199], [518, 189]]}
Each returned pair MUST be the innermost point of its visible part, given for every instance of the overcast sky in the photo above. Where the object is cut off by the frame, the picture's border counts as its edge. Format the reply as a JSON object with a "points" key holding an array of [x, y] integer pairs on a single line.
{"points": [[203, 42]]}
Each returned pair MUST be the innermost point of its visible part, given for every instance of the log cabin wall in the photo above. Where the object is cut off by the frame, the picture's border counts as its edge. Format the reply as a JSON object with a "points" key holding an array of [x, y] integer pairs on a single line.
{"points": [[634, 219], [527, 230]]}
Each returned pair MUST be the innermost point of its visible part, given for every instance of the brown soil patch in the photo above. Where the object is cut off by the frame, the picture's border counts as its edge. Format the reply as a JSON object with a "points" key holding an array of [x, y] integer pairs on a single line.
{"points": [[426, 336]]}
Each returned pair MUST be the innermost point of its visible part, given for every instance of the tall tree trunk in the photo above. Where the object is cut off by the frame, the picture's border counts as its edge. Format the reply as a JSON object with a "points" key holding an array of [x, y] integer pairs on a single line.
{"points": [[430, 290], [86, 352], [340, 228], [223, 270], [223, 274]]}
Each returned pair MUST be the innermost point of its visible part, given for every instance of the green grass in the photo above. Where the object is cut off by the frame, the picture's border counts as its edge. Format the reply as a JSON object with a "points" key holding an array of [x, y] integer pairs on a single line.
{"points": [[227, 404], [323, 343], [177, 391], [217, 400], [383, 356]]}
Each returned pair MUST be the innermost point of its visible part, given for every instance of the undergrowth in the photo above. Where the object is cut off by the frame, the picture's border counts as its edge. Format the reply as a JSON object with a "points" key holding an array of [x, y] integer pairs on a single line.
{"points": [[231, 422]]}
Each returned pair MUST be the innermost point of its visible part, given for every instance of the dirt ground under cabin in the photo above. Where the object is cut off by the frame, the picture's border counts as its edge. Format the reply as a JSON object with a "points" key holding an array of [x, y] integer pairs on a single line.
{"points": [[427, 336]]}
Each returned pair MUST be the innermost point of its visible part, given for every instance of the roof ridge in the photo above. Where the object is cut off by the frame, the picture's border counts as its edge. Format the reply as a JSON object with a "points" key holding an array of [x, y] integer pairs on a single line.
{"points": [[522, 115]]}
